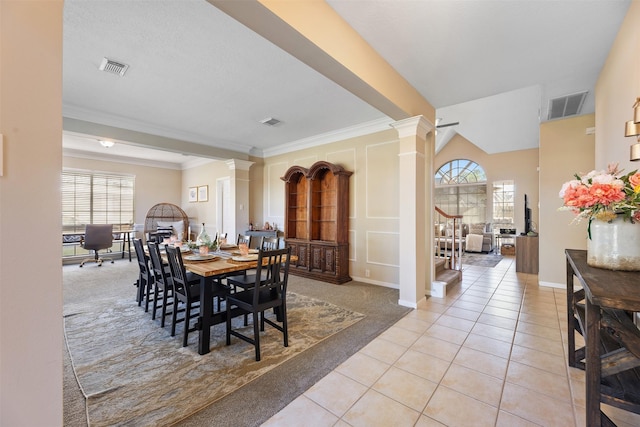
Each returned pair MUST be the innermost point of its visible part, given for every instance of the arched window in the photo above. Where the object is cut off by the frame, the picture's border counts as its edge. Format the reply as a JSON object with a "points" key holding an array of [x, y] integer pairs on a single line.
{"points": [[461, 189], [460, 171]]}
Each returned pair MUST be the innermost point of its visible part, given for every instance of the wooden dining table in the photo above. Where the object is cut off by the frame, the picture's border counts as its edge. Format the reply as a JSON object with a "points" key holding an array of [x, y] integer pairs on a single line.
{"points": [[210, 272]]}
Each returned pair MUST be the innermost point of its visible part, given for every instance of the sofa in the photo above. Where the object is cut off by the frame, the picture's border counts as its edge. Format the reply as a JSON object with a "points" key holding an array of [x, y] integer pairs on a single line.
{"points": [[475, 237]]}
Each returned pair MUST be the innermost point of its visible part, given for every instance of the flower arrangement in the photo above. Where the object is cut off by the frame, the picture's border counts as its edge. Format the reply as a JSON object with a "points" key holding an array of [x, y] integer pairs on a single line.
{"points": [[603, 195]]}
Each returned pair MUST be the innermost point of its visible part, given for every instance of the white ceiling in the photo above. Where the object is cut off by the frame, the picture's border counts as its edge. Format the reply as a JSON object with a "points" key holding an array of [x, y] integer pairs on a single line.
{"points": [[198, 75]]}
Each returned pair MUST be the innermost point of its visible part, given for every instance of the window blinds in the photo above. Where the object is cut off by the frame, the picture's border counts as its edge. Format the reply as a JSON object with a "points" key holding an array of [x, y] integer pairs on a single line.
{"points": [[96, 198]]}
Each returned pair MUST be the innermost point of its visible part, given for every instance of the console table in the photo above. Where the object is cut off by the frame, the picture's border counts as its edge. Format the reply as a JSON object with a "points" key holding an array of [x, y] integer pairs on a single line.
{"points": [[602, 313]]}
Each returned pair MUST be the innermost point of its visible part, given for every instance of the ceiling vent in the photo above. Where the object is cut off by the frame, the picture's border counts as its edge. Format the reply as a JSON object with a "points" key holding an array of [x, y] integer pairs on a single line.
{"points": [[270, 121], [566, 106], [113, 67]]}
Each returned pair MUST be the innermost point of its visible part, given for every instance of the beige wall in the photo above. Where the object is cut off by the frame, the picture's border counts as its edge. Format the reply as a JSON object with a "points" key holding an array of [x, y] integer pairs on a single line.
{"points": [[519, 166], [373, 199], [153, 184], [30, 286], [565, 149], [200, 212], [617, 88]]}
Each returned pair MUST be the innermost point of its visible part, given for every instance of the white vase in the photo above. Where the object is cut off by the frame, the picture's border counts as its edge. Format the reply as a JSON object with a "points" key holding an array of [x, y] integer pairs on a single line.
{"points": [[614, 245]]}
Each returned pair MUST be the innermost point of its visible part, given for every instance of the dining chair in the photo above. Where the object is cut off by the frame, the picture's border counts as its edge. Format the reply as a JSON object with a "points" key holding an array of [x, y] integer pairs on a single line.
{"points": [[97, 237], [146, 278], [248, 280], [243, 238], [271, 292], [163, 285], [183, 292]]}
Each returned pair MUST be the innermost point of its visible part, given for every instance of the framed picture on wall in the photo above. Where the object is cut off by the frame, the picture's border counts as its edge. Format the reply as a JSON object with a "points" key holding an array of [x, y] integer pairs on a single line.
{"points": [[203, 193], [193, 194]]}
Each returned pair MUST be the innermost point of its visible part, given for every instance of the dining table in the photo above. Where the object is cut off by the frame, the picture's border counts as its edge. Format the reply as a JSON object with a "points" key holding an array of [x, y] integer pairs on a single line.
{"points": [[223, 262]]}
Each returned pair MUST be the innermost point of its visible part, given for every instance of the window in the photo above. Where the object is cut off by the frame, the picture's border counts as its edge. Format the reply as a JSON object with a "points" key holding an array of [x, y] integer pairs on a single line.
{"points": [[461, 189], [503, 204], [96, 198]]}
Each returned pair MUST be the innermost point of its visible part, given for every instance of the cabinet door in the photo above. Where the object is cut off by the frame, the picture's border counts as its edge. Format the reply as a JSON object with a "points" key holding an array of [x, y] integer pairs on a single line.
{"points": [[323, 258], [301, 251]]}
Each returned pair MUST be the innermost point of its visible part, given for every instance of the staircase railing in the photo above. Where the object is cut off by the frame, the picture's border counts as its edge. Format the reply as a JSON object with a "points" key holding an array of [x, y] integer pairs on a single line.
{"points": [[448, 238]]}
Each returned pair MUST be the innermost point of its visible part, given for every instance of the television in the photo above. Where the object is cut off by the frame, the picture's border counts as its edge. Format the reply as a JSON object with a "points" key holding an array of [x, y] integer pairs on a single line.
{"points": [[527, 216]]}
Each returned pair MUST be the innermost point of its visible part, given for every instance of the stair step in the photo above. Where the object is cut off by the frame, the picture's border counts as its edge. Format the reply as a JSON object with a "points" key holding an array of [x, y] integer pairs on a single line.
{"points": [[443, 281]]}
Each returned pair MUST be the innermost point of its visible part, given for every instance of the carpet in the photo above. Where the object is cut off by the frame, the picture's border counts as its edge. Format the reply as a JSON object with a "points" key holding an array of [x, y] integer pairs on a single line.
{"points": [[481, 260], [140, 375]]}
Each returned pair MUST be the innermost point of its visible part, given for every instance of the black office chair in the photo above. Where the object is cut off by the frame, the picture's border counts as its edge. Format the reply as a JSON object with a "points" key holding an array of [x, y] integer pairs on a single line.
{"points": [[97, 237], [271, 292]]}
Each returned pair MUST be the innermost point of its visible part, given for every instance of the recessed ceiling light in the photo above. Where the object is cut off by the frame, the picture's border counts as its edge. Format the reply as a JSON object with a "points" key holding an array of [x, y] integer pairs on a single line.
{"points": [[270, 121], [106, 144]]}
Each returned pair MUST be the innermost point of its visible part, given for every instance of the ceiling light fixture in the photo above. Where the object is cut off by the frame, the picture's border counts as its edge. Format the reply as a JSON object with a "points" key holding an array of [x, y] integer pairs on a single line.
{"points": [[632, 128], [270, 121], [106, 144]]}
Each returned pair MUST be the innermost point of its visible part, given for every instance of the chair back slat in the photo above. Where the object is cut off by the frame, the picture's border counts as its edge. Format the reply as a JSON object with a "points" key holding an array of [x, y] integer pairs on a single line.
{"points": [[272, 273], [143, 259], [269, 243], [157, 265], [243, 239], [178, 272]]}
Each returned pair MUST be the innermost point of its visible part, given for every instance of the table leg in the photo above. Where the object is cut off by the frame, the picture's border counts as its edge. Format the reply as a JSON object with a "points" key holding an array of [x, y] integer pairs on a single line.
{"points": [[205, 320], [593, 366]]}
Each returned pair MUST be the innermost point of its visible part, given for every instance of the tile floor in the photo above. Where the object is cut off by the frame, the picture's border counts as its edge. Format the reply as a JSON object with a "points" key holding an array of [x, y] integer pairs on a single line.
{"points": [[491, 353]]}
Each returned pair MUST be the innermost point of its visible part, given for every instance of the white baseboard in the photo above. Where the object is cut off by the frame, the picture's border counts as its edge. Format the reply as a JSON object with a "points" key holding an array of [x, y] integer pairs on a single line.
{"points": [[375, 282], [552, 285]]}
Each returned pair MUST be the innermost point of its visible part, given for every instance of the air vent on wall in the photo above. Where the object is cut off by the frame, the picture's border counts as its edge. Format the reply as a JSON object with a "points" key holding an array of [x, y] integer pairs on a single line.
{"points": [[113, 67], [566, 106], [270, 121]]}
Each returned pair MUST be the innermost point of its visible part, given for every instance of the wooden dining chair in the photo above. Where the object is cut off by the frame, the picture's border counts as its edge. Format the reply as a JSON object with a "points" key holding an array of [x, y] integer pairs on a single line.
{"points": [[146, 278], [265, 294], [163, 285], [184, 293], [246, 280], [243, 238]]}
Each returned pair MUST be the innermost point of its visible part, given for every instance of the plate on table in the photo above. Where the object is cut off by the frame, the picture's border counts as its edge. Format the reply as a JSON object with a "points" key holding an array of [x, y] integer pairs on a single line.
{"points": [[251, 252], [198, 257], [250, 257], [228, 246]]}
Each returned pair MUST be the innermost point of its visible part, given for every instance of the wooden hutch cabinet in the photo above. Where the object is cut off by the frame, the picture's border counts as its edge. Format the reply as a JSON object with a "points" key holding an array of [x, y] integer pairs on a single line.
{"points": [[317, 221]]}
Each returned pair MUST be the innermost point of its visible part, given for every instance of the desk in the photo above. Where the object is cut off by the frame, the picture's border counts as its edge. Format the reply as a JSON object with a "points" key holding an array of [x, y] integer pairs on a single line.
{"points": [[76, 237], [612, 347], [209, 272]]}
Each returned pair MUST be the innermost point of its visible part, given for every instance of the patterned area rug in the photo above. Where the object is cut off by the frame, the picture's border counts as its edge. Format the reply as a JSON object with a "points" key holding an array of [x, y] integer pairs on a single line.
{"points": [[132, 372], [481, 260]]}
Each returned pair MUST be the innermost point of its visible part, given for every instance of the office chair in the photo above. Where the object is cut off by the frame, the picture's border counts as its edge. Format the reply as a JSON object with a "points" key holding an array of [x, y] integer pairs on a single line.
{"points": [[96, 237]]}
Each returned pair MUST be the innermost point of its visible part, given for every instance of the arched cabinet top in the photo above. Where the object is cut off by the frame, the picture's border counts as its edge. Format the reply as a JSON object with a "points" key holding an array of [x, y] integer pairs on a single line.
{"points": [[317, 167], [294, 170], [314, 170]]}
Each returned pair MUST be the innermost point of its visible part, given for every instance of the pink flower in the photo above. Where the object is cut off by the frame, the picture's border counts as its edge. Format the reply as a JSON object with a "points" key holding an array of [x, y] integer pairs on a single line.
{"points": [[603, 194], [634, 180]]}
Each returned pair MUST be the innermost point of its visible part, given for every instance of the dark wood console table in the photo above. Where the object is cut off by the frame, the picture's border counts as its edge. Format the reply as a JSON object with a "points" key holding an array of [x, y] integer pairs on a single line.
{"points": [[602, 313]]}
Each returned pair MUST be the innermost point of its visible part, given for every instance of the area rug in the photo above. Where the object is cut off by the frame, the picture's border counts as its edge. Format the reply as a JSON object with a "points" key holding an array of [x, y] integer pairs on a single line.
{"points": [[481, 260], [132, 372]]}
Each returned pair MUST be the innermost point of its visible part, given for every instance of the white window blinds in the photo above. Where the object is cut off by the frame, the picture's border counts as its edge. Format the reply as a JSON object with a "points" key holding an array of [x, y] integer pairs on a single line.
{"points": [[96, 198]]}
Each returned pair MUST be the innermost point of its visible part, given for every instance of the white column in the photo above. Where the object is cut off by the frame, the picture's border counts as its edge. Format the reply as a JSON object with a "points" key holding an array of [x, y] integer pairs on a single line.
{"points": [[239, 198], [416, 256]]}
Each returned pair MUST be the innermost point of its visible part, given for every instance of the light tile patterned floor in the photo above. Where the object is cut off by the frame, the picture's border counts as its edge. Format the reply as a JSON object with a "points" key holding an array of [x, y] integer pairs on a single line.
{"points": [[491, 353]]}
